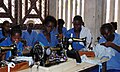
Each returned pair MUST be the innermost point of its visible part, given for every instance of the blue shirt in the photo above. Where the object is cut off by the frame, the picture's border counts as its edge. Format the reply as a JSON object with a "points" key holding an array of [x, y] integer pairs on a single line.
{"points": [[30, 38], [41, 38], [75, 45], [114, 62], [64, 30], [8, 42], [2, 36]]}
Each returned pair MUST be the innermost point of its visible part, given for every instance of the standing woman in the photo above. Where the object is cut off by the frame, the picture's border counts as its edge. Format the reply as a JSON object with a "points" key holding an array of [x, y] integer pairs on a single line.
{"points": [[47, 36]]}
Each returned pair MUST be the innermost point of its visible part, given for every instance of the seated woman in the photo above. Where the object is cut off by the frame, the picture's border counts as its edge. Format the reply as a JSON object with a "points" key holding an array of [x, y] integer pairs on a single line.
{"points": [[112, 40], [5, 32], [79, 31], [59, 28], [29, 35], [47, 36], [14, 38]]}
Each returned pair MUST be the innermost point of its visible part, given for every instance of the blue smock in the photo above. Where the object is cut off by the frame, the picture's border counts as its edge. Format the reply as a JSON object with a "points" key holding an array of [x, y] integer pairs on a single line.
{"points": [[30, 38], [8, 42], [114, 62]]}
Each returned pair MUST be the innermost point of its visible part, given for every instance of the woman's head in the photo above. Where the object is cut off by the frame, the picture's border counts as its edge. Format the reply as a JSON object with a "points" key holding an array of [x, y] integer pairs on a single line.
{"points": [[6, 26], [60, 22], [107, 30], [49, 23], [30, 24], [77, 22], [16, 35]]}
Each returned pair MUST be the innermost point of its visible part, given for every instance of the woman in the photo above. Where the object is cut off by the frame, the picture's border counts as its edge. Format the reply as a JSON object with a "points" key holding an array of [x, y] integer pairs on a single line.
{"points": [[5, 32], [112, 40], [79, 31], [47, 36], [14, 39]]}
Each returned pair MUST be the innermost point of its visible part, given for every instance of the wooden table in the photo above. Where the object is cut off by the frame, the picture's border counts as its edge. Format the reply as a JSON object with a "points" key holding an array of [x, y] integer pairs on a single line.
{"points": [[82, 67], [86, 67], [18, 67]]}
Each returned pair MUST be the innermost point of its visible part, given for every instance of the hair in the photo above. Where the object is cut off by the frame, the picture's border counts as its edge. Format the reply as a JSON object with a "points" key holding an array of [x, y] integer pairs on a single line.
{"points": [[16, 29], [77, 17], [114, 25], [5, 22], [61, 21], [50, 19], [107, 26]]}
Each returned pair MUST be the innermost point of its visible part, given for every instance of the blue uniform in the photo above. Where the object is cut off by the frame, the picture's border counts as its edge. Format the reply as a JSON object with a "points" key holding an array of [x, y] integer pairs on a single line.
{"points": [[75, 45], [41, 38], [30, 38], [2, 36], [114, 62], [8, 42], [64, 30]]}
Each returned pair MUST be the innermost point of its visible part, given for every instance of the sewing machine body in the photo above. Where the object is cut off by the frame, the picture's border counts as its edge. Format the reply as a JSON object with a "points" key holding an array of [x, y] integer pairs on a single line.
{"points": [[47, 56]]}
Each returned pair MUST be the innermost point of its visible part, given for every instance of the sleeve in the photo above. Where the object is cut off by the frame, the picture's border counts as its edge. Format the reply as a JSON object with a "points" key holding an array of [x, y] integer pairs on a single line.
{"points": [[35, 38], [5, 43], [68, 33], [23, 33], [19, 48], [89, 37], [64, 31]]}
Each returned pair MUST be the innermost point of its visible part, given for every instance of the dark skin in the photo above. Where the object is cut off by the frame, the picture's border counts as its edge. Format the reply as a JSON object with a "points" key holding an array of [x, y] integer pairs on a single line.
{"points": [[49, 28], [6, 29], [77, 27], [29, 27], [109, 36], [16, 38]]}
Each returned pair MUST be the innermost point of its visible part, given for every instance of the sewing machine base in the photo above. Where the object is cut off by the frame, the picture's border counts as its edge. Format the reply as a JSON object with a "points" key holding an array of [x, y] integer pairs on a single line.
{"points": [[62, 67]]}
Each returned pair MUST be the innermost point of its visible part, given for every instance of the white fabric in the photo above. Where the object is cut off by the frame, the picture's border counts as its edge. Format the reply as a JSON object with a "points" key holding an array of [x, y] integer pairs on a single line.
{"points": [[23, 58], [10, 65], [84, 58], [85, 32], [101, 51]]}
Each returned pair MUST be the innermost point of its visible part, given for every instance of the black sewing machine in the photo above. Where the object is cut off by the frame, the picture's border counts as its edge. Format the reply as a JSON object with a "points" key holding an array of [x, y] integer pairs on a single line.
{"points": [[70, 51], [47, 56], [3, 51], [12, 47]]}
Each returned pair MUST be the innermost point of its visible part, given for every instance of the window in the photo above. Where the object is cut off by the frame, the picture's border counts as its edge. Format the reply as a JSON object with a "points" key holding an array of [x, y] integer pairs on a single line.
{"points": [[67, 9], [20, 11]]}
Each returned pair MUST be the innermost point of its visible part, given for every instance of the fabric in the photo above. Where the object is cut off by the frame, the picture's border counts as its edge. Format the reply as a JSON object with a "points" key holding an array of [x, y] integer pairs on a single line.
{"points": [[30, 38], [64, 30], [113, 70], [8, 42], [41, 38], [102, 51], [114, 62], [1, 35], [85, 32]]}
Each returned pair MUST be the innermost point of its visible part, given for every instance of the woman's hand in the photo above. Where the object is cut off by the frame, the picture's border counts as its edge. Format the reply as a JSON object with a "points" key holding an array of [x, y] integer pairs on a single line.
{"points": [[107, 44]]}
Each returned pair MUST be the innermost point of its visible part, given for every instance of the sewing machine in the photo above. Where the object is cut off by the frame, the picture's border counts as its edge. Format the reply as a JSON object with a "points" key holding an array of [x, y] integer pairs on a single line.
{"points": [[47, 56]]}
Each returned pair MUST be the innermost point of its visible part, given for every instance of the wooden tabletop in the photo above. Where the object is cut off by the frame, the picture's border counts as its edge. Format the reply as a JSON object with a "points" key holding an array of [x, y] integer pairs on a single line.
{"points": [[82, 67], [18, 67]]}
